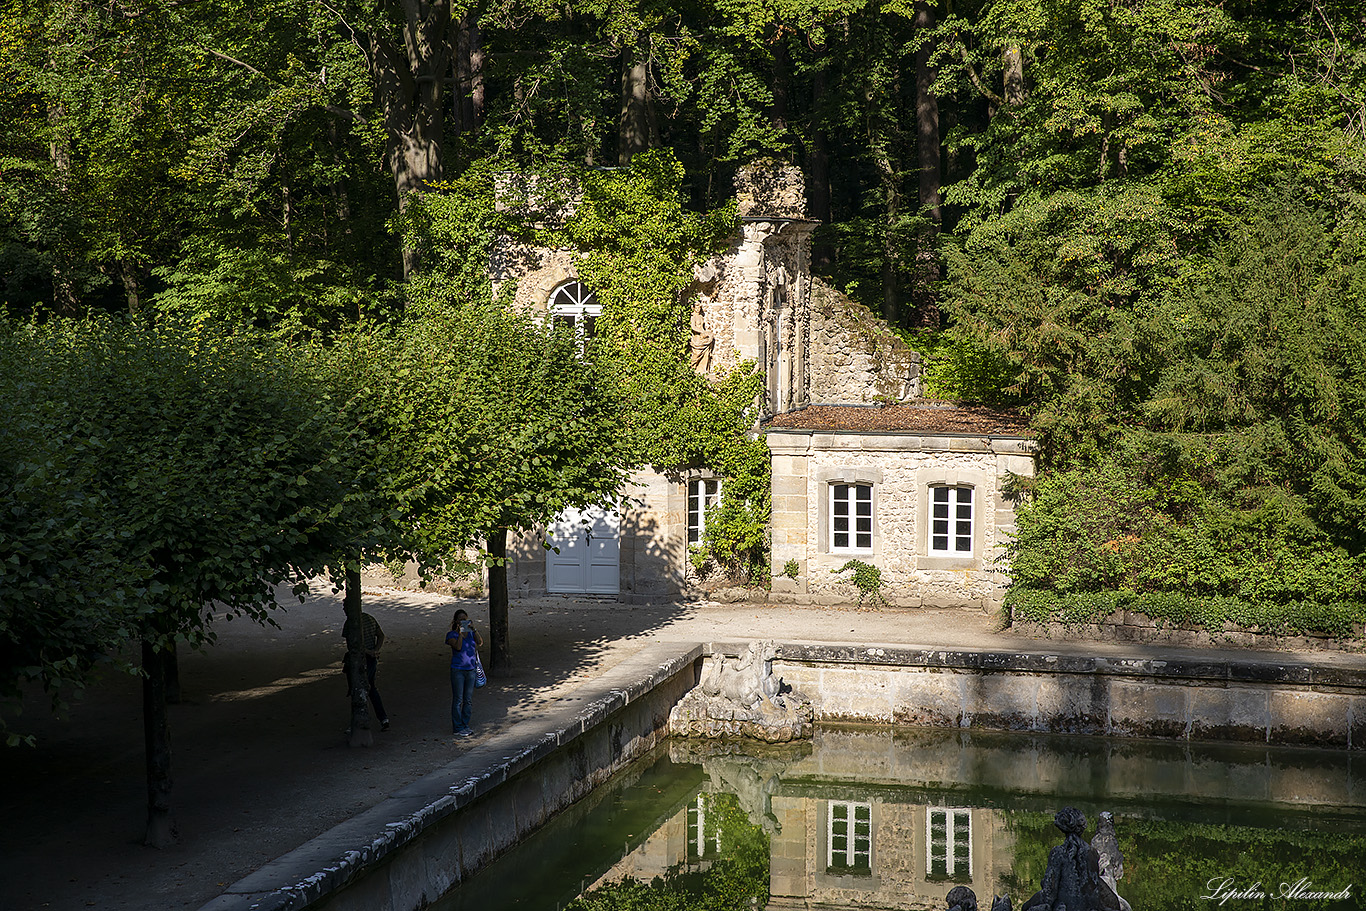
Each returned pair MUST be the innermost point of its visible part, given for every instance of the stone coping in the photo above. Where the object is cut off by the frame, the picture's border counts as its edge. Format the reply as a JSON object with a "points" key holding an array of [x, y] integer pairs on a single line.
{"points": [[1264, 668], [337, 857]]}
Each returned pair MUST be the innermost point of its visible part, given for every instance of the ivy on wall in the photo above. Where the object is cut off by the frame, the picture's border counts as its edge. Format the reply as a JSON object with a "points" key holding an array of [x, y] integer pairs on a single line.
{"points": [[636, 245]]}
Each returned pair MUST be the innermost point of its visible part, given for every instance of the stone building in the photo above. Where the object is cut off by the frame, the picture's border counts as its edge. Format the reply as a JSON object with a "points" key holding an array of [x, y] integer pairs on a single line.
{"points": [[862, 469]]}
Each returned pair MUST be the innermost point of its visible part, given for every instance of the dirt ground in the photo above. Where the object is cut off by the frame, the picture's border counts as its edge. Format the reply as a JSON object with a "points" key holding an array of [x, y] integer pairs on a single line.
{"points": [[259, 759]]}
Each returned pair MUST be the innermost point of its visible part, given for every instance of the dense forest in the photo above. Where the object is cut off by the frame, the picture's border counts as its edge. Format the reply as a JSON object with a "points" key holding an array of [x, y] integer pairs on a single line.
{"points": [[1138, 220]]}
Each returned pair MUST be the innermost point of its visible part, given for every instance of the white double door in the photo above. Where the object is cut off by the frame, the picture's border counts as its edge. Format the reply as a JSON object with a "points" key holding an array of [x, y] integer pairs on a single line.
{"points": [[585, 554]]}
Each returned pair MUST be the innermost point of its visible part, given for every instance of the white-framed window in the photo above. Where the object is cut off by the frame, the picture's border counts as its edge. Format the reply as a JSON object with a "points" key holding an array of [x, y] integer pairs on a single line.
{"points": [[951, 521], [703, 495], [849, 837], [851, 517], [948, 843], [575, 306]]}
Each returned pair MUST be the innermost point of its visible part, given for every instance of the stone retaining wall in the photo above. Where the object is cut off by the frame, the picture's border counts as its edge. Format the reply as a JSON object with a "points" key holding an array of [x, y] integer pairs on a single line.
{"points": [[429, 836], [1288, 702]]}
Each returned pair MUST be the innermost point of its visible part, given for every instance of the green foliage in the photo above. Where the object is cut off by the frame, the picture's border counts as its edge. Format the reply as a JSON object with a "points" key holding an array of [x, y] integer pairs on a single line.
{"points": [[1170, 864], [147, 472], [638, 246], [480, 420], [736, 879], [867, 579], [1166, 527], [791, 569]]}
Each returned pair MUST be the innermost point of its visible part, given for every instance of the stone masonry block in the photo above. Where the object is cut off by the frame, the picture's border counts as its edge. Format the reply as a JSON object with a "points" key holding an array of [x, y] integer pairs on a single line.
{"points": [[1232, 713], [1147, 709], [1003, 701], [1073, 703], [853, 695], [929, 697], [1318, 719]]}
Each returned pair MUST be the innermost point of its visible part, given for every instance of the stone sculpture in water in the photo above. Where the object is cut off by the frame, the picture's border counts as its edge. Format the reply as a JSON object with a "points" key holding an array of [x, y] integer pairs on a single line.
{"points": [[743, 697], [1111, 860], [961, 898], [1072, 880]]}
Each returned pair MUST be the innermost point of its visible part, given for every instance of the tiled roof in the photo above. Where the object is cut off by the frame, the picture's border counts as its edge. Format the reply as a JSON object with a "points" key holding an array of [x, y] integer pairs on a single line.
{"points": [[918, 417]]}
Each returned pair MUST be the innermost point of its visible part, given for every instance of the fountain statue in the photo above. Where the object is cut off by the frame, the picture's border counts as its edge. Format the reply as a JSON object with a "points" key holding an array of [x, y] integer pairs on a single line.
{"points": [[743, 697], [961, 898], [1073, 879]]}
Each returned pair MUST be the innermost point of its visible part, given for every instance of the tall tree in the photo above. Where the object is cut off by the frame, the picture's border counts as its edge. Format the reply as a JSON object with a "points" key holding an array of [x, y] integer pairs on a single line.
{"points": [[206, 470]]}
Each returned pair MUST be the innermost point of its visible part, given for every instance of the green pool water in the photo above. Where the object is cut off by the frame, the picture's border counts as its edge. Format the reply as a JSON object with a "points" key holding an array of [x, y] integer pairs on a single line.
{"points": [[893, 818]]}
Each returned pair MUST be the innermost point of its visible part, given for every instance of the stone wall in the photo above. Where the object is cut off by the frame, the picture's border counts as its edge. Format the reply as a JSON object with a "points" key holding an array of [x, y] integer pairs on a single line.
{"points": [[855, 358], [900, 467], [1282, 701], [653, 545], [769, 188]]}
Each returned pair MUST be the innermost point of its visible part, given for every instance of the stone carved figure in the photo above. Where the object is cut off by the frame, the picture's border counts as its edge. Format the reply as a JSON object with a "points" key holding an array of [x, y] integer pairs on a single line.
{"points": [[1072, 880], [1106, 844], [742, 680], [743, 697], [961, 898], [700, 343]]}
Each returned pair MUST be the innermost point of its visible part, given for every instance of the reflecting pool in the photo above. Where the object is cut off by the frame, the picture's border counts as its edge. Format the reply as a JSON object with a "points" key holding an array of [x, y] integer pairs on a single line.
{"points": [[893, 818]]}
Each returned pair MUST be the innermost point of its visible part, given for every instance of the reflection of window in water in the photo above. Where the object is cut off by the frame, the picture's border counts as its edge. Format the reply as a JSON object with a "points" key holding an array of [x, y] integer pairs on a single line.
{"points": [[704, 831], [948, 843], [849, 837]]}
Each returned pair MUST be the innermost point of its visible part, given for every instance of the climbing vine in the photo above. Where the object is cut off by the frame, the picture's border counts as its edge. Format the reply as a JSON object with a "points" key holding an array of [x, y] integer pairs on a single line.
{"points": [[636, 246], [867, 578]]}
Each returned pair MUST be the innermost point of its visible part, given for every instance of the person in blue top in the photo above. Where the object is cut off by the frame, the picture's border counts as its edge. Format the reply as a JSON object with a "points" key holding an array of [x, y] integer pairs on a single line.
{"points": [[464, 643]]}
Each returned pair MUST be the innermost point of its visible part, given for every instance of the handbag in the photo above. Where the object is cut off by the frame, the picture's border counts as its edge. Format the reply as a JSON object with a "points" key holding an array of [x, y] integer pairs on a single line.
{"points": [[480, 678]]}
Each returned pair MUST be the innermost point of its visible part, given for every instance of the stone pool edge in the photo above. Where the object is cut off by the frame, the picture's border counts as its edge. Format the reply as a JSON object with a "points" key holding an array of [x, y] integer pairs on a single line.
{"points": [[624, 712], [613, 719]]}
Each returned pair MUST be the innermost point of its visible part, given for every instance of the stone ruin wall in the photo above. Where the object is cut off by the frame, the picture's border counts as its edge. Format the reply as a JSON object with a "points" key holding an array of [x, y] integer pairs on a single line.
{"points": [[847, 355], [535, 272], [855, 358], [733, 289]]}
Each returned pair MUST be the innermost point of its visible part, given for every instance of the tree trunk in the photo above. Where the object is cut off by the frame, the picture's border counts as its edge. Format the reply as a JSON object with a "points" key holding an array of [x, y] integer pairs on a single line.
{"points": [[469, 76], [633, 124], [891, 207], [931, 196], [128, 273], [1013, 84], [172, 655], [927, 121], [156, 728], [782, 76], [359, 733], [500, 647], [818, 174], [409, 88], [64, 300]]}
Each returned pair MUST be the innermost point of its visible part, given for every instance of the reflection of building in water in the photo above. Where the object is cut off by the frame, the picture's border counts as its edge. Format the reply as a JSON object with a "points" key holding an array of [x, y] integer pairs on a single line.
{"points": [[886, 852], [704, 832], [891, 851]]}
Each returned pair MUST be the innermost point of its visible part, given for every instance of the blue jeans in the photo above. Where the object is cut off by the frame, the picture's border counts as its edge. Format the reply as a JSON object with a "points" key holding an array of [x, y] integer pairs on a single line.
{"points": [[462, 693]]}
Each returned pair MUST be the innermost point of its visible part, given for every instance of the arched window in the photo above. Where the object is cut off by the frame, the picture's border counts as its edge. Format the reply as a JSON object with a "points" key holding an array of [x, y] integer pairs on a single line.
{"points": [[573, 305]]}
